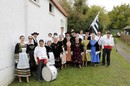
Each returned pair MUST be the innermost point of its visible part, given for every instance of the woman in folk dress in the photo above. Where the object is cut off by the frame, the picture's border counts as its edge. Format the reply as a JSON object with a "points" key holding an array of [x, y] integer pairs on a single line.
{"points": [[63, 54], [21, 60], [86, 56], [56, 46], [68, 51], [77, 52], [30, 51], [94, 45]]}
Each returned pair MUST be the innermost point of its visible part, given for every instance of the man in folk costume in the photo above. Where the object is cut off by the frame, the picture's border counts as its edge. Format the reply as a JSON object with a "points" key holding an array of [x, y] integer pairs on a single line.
{"points": [[87, 33], [35, 34], [40, 55], [108, 43]]}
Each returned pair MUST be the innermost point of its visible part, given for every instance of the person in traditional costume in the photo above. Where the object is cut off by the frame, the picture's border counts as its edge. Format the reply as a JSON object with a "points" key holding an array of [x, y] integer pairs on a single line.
{"points": [[94, 47], [73, 36], [30, 51], [68, 46], [87, 33], [49, 38], [22, 68], [63, 54], [62, 32], [77, 49], [40, 55], [107, 43], [51, 58], [35, 34], [67, 34], [81, 35], [57, 50], [86, 55]]}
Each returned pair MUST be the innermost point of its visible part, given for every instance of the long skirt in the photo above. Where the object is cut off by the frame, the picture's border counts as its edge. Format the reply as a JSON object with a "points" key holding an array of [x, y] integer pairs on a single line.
{"points": [[68, 55], [86, 56], [33, 66], [63, 57], [77, 57], [23, 68], [94, 56]]}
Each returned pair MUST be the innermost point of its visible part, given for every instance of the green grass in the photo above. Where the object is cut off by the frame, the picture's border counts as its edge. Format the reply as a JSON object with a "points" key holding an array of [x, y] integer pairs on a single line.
{"points": [[118, 74]]}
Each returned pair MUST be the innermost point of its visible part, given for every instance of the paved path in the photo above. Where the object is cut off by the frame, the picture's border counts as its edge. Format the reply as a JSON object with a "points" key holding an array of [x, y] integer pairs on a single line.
{"points": [[124, 51]]}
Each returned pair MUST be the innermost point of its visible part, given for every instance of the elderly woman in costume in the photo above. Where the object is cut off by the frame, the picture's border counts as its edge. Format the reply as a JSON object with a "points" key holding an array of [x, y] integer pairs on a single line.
{"points": [[57, 50], [94, 47], [30, 51], [77, 52], [22, 68]]}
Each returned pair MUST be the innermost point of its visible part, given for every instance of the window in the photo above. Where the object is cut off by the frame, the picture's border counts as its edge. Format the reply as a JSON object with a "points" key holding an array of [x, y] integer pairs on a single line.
{"points": [[37, 2], [62, 23], [51, 8]]}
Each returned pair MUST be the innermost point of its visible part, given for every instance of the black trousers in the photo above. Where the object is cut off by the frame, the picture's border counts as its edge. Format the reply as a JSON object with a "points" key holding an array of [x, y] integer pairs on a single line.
{"points": [[39, 70], [106, 56]]}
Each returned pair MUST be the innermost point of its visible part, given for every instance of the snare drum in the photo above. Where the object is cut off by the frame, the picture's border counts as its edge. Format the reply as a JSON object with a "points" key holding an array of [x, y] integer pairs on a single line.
{"points": [[49, 73]]}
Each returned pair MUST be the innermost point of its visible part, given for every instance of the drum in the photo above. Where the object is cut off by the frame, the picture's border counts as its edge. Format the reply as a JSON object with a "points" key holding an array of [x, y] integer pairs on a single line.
{"points": [[49, 73]]}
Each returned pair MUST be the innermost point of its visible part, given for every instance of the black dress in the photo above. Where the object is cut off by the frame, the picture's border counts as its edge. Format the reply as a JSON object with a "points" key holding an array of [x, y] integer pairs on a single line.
{"points": [[49, 49], [35, 42], [57, 51], [30, 51], [77, 50]]}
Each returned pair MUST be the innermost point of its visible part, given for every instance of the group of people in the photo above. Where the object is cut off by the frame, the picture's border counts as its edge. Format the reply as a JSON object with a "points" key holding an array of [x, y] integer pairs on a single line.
{"points": [[67, 49]]}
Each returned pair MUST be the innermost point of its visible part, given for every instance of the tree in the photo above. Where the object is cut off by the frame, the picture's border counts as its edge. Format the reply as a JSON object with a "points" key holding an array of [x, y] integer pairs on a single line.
{"points": [[120, 17], [103, 17], [76, 13]]}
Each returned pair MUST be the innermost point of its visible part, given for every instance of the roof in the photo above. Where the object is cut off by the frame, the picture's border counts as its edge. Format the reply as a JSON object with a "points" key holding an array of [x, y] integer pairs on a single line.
{"points": [[59, 7], [126, 28]]}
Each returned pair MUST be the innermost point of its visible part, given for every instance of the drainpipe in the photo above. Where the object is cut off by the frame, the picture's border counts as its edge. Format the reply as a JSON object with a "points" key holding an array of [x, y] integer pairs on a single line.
{"points": [[26, 17]]}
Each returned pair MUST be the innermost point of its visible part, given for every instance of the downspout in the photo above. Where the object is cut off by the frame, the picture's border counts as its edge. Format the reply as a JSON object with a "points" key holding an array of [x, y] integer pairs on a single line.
{"points": [[26, 18]]}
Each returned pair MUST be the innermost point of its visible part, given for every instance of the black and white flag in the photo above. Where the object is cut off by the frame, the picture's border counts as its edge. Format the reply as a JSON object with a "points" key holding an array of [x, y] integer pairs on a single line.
{"points": [[94, 26]]}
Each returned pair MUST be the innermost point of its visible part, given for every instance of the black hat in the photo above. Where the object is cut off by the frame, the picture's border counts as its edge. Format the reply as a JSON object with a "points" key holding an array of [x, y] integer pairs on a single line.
{"points": [[67, 33], [108, 32], [35, 33], [87, 30]]}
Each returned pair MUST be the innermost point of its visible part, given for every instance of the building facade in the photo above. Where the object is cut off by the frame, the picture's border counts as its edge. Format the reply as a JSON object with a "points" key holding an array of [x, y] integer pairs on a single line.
{"points": [[22, 17]]}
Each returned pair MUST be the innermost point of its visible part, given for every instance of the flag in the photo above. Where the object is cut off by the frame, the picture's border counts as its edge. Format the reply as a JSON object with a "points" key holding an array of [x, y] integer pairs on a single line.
{"points": [[94, 26]]}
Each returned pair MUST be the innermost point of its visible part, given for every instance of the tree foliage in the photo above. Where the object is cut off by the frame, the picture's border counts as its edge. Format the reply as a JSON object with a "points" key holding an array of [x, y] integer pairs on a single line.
{"points": [[120, 17], [80, 15]]}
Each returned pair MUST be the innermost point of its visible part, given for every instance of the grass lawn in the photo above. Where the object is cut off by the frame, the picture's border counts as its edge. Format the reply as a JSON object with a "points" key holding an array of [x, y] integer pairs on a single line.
{"points": [[118, 74]]}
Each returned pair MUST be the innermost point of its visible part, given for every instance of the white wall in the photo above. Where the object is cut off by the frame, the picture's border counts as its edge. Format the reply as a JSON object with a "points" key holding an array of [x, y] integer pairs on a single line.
{"points": [[40, 20], [11, 27], [18, 18]]}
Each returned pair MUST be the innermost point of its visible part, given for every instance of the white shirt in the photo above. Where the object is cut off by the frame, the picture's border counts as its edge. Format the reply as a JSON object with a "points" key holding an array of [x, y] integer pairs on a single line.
{"points": [[63, 34], [97, 38], [40, 52], [81, 36], [106, 41]]}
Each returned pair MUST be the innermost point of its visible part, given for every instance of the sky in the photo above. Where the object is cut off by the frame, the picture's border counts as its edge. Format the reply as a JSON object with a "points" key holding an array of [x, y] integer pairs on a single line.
{"points": [[108, 4]]}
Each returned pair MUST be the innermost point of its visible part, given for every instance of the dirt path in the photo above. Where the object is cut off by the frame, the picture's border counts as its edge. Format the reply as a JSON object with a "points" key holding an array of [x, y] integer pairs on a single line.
{"points": [[123, 50]]}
